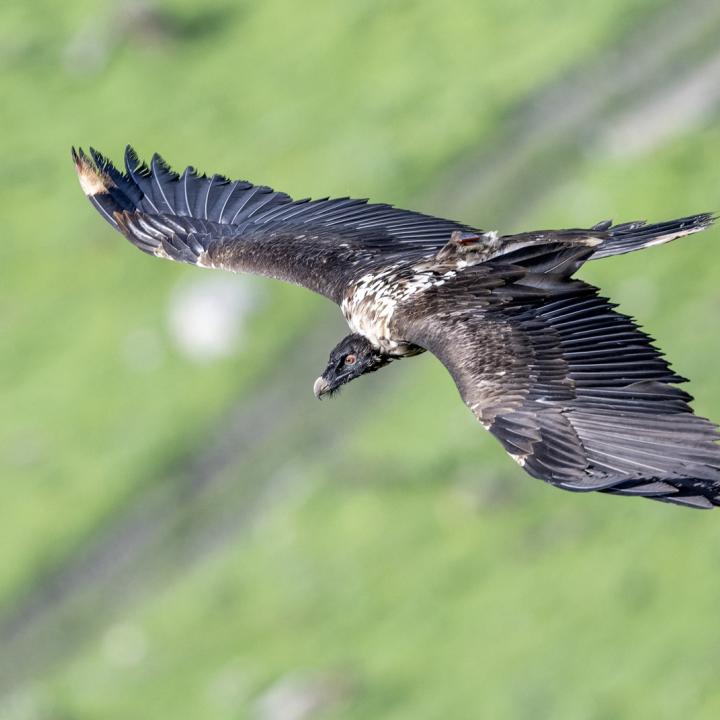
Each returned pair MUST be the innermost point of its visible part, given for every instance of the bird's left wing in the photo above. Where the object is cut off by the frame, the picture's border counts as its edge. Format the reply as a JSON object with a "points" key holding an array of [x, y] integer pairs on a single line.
{"points": [[235, 225], [574, 391]]}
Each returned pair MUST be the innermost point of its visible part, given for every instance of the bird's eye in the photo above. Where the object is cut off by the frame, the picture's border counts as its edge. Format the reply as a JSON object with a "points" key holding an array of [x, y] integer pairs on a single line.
{"points": [[350, 359]]}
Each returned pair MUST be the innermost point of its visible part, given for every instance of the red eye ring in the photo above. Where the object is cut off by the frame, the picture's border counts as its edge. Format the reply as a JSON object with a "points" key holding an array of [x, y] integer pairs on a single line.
{"points": [[350, 359]]}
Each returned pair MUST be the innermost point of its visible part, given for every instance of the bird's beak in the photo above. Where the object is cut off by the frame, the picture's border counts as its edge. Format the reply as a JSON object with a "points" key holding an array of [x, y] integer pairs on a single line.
{"points": [[321, 387]]}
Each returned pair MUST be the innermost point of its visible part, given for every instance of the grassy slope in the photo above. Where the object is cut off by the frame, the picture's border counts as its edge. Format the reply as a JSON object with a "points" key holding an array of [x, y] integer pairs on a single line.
{"points": [[436, 595], [446, 587]]}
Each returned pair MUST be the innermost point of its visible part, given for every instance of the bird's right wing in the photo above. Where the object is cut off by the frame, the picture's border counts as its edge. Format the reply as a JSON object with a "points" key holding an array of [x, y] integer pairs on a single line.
{"points": [[574, 391], [235, 225]]}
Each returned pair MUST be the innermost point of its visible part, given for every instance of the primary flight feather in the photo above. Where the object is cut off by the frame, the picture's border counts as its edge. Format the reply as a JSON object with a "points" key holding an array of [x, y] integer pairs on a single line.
{"points": [[574, 391]]}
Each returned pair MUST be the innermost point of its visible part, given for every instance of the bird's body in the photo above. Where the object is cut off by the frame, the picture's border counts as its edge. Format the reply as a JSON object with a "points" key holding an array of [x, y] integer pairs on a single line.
{"points": [[574, 391], [374, 303]]}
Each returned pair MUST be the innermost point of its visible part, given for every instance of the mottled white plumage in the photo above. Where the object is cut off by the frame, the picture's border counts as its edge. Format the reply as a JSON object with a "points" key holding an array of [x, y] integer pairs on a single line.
{"points": [[371, 302]]}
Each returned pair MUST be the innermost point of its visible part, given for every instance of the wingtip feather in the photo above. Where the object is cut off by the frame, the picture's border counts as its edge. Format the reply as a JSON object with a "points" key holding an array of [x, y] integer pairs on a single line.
{"points": [[93, 179], [133, 165], [160, 166]]}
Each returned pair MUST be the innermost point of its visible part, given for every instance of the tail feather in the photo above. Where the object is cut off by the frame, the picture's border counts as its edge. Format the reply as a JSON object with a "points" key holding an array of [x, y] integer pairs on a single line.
{"points": [[638, 235]]}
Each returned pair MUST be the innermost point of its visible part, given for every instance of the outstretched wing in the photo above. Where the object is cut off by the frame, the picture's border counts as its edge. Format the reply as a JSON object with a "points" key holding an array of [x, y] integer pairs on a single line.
{"points": [[574, 391], [235, 225]]}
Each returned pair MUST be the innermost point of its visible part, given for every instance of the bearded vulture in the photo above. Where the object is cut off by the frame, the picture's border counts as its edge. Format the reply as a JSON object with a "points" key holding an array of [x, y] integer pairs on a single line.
{"points": [[575, 391]]}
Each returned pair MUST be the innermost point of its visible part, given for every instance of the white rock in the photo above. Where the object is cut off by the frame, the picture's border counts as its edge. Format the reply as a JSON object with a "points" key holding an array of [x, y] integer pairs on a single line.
{"points": [[207, 315]]}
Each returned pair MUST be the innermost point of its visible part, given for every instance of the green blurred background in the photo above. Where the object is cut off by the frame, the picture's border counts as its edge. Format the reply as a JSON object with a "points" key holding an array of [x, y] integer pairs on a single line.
{"points": [[186, 532]]}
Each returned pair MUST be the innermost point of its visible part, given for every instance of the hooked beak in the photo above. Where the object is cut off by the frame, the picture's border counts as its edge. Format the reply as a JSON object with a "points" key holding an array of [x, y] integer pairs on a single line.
{"points": [[321, 387]]}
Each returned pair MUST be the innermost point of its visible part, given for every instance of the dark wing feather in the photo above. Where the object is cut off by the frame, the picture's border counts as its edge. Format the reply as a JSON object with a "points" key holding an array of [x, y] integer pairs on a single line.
{"points": [[605, 238], [561, 252], [637, 235], [236, 225], [575, 392]]}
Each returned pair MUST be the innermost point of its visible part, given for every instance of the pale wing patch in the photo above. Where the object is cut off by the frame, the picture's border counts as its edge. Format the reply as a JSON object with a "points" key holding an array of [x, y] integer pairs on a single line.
{"points": [[92, 180]]}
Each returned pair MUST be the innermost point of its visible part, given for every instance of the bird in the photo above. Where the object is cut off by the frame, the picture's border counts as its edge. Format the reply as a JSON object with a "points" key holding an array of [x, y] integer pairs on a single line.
{"points": [[577, 394]]}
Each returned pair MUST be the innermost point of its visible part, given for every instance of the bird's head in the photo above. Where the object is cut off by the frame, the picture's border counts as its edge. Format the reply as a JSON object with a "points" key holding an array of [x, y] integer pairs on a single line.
{"points": [[352, 357]]}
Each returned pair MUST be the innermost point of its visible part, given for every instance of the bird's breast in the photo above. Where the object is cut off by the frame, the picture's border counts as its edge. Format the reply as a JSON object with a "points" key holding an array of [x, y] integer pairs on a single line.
{"points": [[371, 305]]}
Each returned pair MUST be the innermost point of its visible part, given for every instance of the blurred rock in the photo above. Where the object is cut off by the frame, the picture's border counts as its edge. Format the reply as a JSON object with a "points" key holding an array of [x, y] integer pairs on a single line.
{"points": [[207, 315], [300, 696], [88, 50], [141, 22], [146, 22], [676, 108], [24, 704]]}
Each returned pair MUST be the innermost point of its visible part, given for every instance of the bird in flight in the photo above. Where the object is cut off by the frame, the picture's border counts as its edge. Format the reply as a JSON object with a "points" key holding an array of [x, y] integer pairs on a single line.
{"points": [[575, 391]]}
